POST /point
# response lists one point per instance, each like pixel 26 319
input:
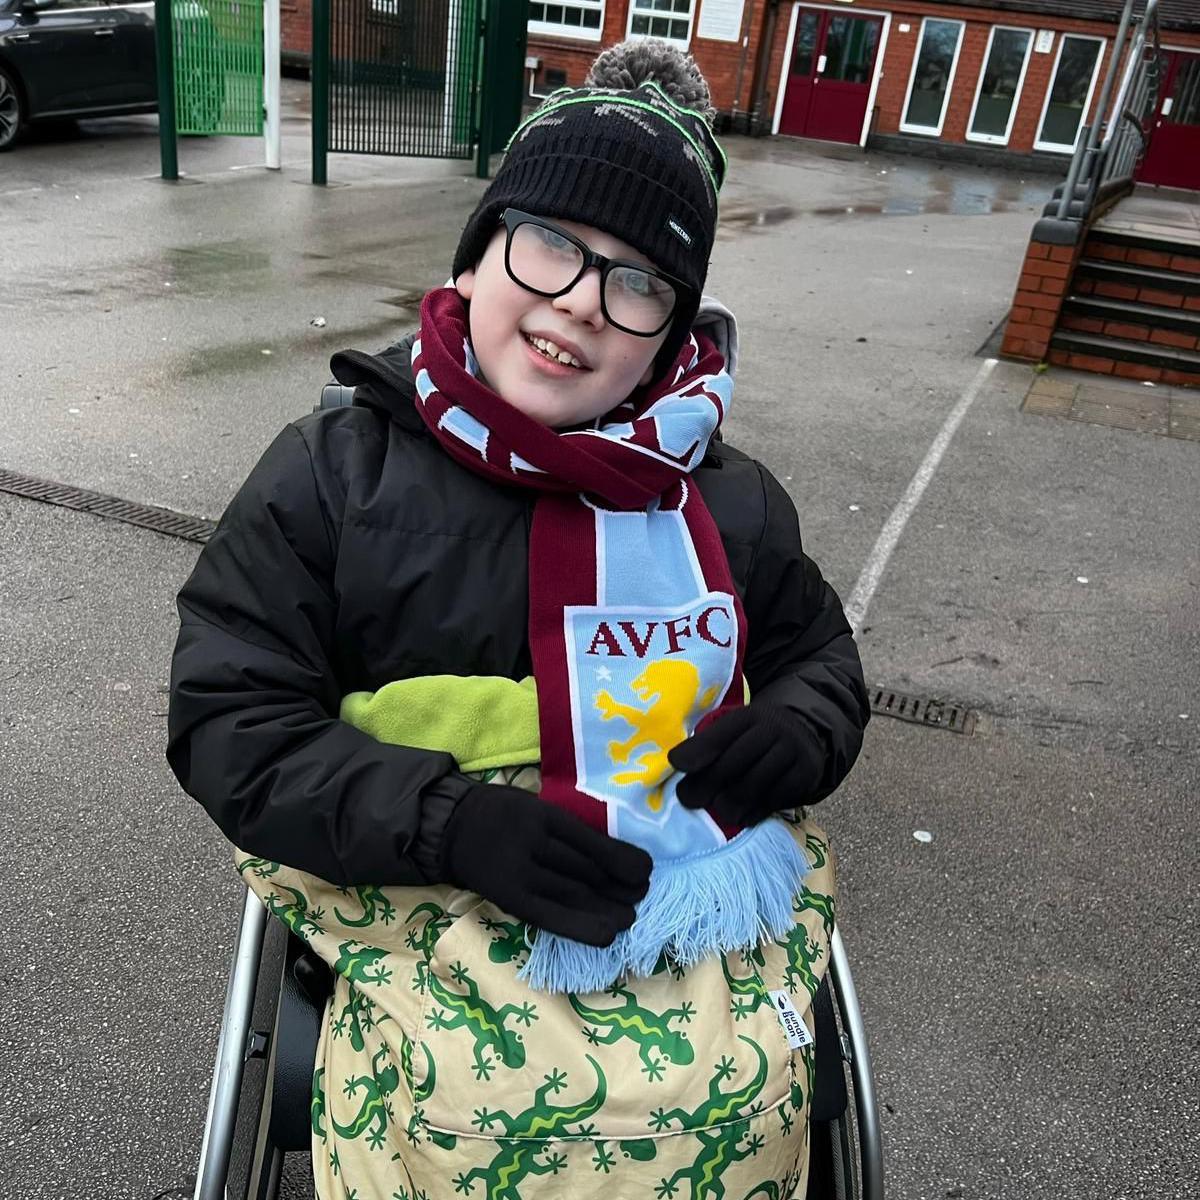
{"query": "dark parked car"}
pixel 74 58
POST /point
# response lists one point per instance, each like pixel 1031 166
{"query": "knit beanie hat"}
pixel 632 152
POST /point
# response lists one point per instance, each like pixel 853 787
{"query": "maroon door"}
pixel 829 77
pixel 1173 158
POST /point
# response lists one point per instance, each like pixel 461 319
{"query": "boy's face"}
pixel 504 316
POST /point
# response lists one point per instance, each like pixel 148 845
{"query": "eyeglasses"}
pixel 548 260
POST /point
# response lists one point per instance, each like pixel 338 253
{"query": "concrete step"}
pixel 1120 356
pixel 1091 314
pixel 1146 248
pixel 1127 281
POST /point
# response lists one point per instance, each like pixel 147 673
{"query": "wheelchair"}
pixel 258 1108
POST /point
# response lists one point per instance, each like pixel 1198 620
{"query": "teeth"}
pixel 552 350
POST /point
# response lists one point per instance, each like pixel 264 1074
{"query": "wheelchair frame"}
pixel 239 1043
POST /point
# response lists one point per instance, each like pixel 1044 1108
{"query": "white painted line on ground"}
pixel 881 552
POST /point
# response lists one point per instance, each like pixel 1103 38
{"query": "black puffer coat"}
pixel 358 553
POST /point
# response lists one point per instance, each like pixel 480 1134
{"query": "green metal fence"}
pixel 402 76
pixel 218 59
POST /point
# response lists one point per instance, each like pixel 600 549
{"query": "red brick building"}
pixel 1006 78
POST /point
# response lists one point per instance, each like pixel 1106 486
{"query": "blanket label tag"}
pixel 789 1018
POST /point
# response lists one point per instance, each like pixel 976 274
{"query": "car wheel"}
pixel 12 110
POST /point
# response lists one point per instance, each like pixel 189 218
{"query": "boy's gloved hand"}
pixel 543 864
pixel 750 763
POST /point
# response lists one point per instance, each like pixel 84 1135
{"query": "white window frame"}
pixel 929 130
pixel 648 12
pixel 578 32
pixel 1058 147
pixel 996 139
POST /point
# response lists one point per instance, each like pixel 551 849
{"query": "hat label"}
pixel 679 231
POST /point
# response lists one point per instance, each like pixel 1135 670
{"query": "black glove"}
pixel 751 763
pixel 543 864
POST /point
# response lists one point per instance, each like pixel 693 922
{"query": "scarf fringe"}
pixel 727 899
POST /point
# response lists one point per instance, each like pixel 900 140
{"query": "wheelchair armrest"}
pixel 829 1096
pixel 307 983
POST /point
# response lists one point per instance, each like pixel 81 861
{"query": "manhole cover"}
pixel 919 710
pixel 146 516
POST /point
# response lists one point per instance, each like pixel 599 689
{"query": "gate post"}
pixel 320 90
pixel 503 76
pixel 164 54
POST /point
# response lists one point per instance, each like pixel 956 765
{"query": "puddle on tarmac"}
pixel 976 205
pixel 218 258
pixel 409 298
pixel 747 218
pixel 247 356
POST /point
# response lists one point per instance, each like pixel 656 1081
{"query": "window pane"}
pixel 683 6
pixel 660 27
pixel 806 41
pixel 679 30
pixel 591 18
pixel 850 49
pixel 1186 94
pixel 934 61
pixel 572 16
pixel 537 12
pixel 641 25
pixel 1001 73
pixel 554 13
pixel 1064 113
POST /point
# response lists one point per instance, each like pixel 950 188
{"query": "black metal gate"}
pixel 407 77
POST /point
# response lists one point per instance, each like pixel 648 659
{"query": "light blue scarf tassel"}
pixel 724 899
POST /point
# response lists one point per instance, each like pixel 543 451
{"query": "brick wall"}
pixel 724 64
pixel 901 47
pixel 295 20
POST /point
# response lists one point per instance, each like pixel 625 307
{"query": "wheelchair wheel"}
pixel 254 1162
pixel 833 1159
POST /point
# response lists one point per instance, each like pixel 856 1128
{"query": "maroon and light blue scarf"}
pixel 637 636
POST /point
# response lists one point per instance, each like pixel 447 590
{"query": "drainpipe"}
pixel 762 66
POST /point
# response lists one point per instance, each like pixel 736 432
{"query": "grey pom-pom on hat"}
pixel 632 152
pixel 643 60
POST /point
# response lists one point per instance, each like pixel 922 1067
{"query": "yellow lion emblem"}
pixel 670 690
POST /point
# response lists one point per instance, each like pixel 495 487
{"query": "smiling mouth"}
pixel 553 352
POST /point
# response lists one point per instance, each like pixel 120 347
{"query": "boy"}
pixel 521 564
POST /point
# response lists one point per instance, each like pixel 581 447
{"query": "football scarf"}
pixel 637 637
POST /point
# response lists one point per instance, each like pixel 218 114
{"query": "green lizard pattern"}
pixel 520 1149
pixel 818 903
pixel 374 904
pixel 720 1106
pixel 749 992
pixel 486 1024
pixel 375 1109
pixel 424 939
pixel 316 1106
pixel 720 1148
pixel 650 1030
pixel 510 943
pixel 362 965
pixel 357 1018
pixel 817 849
pixel 294 912
pixel 262 868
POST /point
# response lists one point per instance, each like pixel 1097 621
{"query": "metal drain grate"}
pixel 146 516
pixel 954 718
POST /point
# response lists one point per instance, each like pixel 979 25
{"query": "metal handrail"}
pixel 1107 151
